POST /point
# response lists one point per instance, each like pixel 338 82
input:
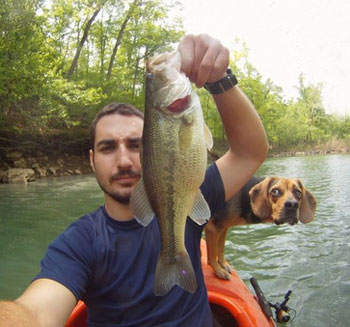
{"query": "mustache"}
pixel 125 172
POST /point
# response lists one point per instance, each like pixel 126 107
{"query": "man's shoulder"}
pixel 212 178
pixel 213 189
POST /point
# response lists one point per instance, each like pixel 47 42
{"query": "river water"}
pixel 312 260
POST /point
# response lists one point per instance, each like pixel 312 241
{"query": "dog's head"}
pixel 282 200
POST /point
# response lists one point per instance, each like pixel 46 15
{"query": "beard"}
pixel 118 196
pixel 122 196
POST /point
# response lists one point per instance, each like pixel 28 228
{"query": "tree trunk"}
pixel 120 37
pixel 135 75
pixel 82 42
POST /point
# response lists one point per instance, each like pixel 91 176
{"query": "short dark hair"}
pixel 123 109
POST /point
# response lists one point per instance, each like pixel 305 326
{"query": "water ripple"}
pixel 312 260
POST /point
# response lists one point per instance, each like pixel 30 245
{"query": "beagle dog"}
pixel 276 200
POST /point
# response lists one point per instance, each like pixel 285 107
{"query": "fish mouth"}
pixel 180 105
pixel 167 88
pixel 166 58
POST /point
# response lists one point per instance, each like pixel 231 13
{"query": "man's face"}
pixel 116 155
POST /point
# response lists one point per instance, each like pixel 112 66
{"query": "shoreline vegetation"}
pixel 27 166
pixel 62 63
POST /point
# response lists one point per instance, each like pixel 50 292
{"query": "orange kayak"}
pixel 232 303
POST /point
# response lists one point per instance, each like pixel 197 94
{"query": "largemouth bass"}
pixel 174 159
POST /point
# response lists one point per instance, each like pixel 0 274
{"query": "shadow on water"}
pixel 312 260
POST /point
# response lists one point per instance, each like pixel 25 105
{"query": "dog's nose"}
pixel 291 204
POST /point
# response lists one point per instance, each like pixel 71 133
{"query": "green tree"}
pixel 92 8
pixel 312 113
pixel 149 30
pixel 266 97
pixel 122 27
pixel 26 61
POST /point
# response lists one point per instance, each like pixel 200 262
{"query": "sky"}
pixel 285 38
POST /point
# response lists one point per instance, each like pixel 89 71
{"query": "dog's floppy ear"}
pixel 259 198
pixel 307 205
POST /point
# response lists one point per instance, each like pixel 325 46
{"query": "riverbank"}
pixel 329 147
pixel 19 167
pixel 27 166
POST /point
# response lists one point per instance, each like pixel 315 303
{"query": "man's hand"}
pixel 204 59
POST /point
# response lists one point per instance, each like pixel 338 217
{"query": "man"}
pixel 106 258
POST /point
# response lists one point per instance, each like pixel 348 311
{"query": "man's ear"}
pixel 91 156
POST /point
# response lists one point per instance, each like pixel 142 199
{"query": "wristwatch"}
pixel 223 84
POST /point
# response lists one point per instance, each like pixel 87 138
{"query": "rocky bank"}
pixel 23 167
pixel 18 167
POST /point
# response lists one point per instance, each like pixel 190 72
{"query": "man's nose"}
pixel 123 157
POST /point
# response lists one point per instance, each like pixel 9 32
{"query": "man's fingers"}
pixel 220 65
pixel 204 59
pixel 187 49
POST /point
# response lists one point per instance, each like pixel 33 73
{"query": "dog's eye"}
pixel 276 192
pixel 297 194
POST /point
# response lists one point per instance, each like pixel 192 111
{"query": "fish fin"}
pixel 208 137
pixel 200 213
pixel 179 272
pixel 140 205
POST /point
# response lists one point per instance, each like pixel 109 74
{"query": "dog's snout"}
pixel 291 204
pixel 292 221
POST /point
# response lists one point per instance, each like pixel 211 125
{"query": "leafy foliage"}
pixel 62 60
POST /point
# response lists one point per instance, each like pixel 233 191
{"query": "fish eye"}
pixel 276 192
pixel 297 194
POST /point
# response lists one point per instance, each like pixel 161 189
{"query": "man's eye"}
pixel 135 145
pixel 106 149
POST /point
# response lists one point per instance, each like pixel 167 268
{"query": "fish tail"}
pixel 178 272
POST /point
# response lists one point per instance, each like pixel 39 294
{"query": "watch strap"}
pixel 223 84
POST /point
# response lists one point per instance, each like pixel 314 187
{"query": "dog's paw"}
pixel 222 273
pixel 219 271
pixel 225 265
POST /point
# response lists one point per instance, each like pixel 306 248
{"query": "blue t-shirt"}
pixel 110 265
